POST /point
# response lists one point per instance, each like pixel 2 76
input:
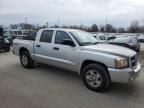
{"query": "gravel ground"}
pixel 50 87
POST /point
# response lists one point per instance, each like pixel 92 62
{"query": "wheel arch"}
pixel 87 62
pixel 22 49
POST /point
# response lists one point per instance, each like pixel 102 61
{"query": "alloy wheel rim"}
pixel 93 78
pixel 24 60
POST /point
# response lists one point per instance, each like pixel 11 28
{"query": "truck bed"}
pixel 20 43
pixel 26 38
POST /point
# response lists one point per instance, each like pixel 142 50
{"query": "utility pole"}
pixel 58 21
pixel 47 24
pixel 25 20
pixel 106 25
pixel 1 24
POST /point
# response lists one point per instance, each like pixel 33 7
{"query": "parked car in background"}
pixel 135 35
pixel 100 37
pixel 4 43
pixel 12 34
pixel 98 64
pixel 128 42
pixel 141 38
pixel 9 35
pixel 111 37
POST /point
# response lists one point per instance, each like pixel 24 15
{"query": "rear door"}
pixel 43 47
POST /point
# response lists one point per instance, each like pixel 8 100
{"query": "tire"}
pixel 138 50
pixel 96 77
pixel 26 60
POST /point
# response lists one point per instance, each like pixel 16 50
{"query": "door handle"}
pixel 38 46
pixel 55 48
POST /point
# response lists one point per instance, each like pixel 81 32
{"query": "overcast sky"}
pixel 86 12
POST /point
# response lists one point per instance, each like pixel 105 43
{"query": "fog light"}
pixel 131 79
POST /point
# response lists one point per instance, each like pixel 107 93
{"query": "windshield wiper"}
pixel 87 43
pixel 96 43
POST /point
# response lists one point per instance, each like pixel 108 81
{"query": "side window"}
pixel 60 36
pixel 46 36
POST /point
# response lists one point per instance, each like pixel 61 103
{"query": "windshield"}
pixel 84 38
pixel 122 40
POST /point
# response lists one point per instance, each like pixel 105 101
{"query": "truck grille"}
pixel 133 60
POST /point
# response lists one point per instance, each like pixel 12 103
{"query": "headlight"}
pixel 6 41
pixel 121 63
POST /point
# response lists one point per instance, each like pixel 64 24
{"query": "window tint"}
pixel 46 36
pixel 60 36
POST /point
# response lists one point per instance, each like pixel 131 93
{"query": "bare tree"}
pixel 14 26
pixel 109 28
pixel 102 28
pixel 134 27
pixel 121 30
pixel 94 28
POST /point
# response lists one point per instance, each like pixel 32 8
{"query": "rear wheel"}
pixel 26 60
pixel 96 77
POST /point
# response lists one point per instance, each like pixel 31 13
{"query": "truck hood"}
pixel 110 49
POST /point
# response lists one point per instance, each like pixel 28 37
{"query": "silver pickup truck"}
pixel 98 64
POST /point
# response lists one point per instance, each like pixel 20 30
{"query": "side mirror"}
pixel 68 42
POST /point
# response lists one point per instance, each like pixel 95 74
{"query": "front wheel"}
pixel 96 77
pixel 26 60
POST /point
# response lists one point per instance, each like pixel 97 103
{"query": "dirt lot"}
pixel 49 87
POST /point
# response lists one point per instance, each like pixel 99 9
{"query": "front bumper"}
pixel 124 75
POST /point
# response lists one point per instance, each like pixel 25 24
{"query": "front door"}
pixel 65 56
